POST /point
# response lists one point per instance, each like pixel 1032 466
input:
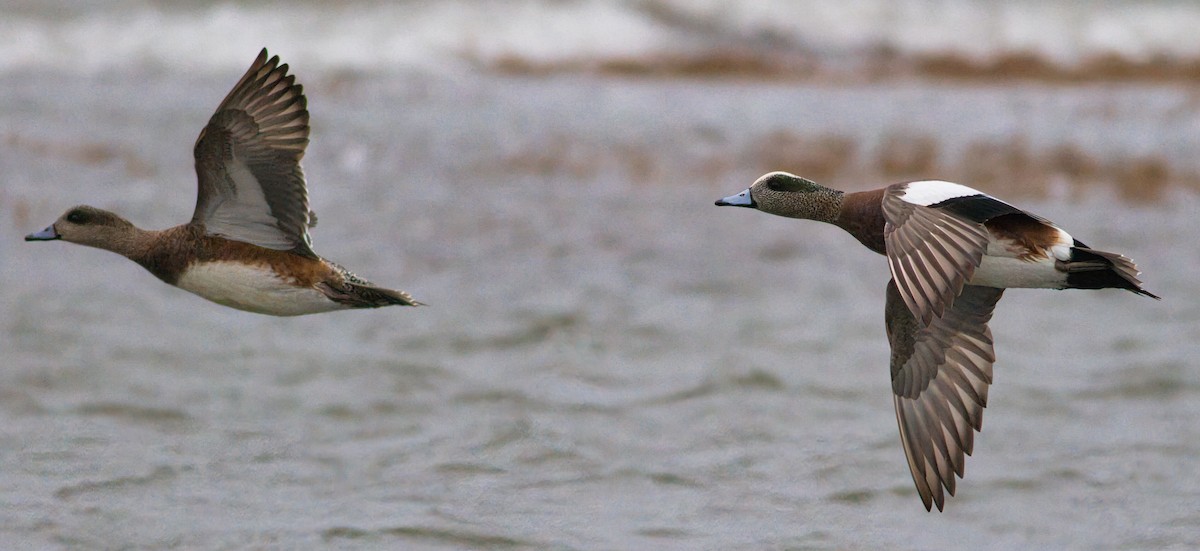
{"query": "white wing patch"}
pixel 244 214
pixel 932 192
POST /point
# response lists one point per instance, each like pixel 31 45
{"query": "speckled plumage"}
pixel 951 252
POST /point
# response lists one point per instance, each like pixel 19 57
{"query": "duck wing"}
pixel 935 238
pixel 251 187
pixel 940 378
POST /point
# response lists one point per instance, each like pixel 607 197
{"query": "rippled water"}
pixel 607 362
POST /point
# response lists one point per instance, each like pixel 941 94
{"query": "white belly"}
pixel 1006 271
pixel 254 289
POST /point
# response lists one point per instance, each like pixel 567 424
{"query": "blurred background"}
pixel 608 361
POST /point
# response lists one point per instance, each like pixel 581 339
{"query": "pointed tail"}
pixel 1092 269
pixel 378 296
pixel 365 295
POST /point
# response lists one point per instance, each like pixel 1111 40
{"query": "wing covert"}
pixel 931 252
pixel 250 184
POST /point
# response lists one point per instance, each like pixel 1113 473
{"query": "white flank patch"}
pixel 1001 267
pixel 932 192
pixel 1010 272
pixel 254 289
pixel 1062 251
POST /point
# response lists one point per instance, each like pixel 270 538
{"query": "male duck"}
pixel 247 245
pixel 952 251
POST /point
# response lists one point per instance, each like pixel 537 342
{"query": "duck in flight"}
pixel 952 251
pixel 247 244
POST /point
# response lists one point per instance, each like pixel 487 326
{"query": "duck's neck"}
pixel 131 242
pixel 164 252
pixel 824 205
pixel 861 214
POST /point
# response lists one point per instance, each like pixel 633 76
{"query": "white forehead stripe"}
pixel 932 192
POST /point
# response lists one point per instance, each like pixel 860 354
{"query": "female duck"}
pixel 247 244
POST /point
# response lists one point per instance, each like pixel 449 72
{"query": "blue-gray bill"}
pixel 47 234
pixel 742 199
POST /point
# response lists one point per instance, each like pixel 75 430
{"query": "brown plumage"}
pixel 951 251
pixel 247 244
pixel 1027 238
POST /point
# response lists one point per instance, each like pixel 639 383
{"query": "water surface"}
pixel 607 362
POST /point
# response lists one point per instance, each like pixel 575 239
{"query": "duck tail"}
pixel 356 292
pixel 369 296
pixel 1093 269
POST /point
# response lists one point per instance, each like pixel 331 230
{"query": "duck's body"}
pixel 255 288
pixel 247 245
pixel 261 280
pixel 951 251
pixel 938 228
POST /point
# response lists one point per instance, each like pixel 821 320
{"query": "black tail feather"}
pixel 1092 269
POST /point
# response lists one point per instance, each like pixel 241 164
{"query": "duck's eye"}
pixel 77 217
pixel 789 183
pixel 780 182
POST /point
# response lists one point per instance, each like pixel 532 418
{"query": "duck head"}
pixel 788 195
pixel 87 226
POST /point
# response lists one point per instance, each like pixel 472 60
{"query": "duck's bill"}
pixel 47 234
pixel 742 199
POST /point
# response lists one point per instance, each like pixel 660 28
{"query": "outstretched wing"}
pixel 251 187
pixel 940 378
pixel 935 238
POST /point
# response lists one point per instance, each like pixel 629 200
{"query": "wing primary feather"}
pixel 941 372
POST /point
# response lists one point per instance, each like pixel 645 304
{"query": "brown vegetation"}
pixel 717 64
pixel 882 64
pixel 907 156
pixel 92 153
pixel 1008 168
pixel 1142 178
pixel 1030 66
pixel 819 157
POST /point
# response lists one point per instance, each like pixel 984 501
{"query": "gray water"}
pixel 608 361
